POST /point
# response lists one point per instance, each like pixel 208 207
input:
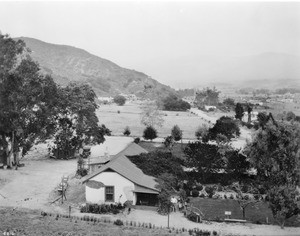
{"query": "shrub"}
pixel 231 196
pixel 127 131
pixel 137 140
pixel 150 133
pixel 210 191
pixel 199 187
pixel 101 209
pixel 120 100
pixel 118 222
pixel 195 193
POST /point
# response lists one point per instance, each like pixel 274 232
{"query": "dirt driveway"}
pixel 30 186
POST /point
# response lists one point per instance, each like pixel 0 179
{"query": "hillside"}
pixel 66 63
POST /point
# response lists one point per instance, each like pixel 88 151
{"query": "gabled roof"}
pixel 122 165
pixel 132 149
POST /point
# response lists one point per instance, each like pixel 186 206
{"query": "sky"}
pixel 158 37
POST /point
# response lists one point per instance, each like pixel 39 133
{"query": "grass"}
pixel 32 223
pixel 130 115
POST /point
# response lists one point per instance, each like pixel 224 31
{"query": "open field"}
pixel 32 223
pixel 130 115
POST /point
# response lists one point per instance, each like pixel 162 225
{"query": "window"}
pixel 109 193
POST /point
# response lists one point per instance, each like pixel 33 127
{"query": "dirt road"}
pixel 29 186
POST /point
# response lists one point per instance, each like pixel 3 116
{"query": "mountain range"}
pixel 66 63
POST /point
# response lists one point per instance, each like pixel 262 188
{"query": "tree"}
pixel 262 119
pixel 237 164
pixel 150 133
pixel 169 143
pixel 77 122
pixel 166 184
pixel 275 154
pixel 229 102
pixel 290 116
pixel 27 100
pixel 202 132
pixel 173 103
pixel 119 100
pixel 283 203
pixel 176 133
pixel 226 126
pixel 239 111
pixel 151 116
pixel 127 131
pixel 207 96
pixel 244 200
pixel 249 110
pixel 205 158
pixel 157 162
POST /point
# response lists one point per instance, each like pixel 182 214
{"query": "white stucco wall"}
pixel 122 186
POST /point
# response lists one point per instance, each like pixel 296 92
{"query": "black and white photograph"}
pixel 147 117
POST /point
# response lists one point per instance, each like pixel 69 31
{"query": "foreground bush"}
pixel 102 208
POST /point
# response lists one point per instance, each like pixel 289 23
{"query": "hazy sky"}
pixel 157 38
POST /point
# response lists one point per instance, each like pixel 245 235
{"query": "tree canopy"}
pixel 176 133
pixel 239 111
pixel 205 158
pixel 28 99
pixel 120 100
pixel 225 126
pixel 275 154
pixel 151 116
pixel 34 108
pixel 173 103
pixel 150 133
pixel 207 96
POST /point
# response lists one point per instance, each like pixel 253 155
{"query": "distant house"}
pixel 119 180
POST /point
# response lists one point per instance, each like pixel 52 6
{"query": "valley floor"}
pixel 32 187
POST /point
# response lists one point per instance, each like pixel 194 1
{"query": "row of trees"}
pixel 34 108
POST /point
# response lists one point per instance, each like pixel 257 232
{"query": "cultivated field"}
pixel 130 115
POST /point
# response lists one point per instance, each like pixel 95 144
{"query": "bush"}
pixel 231 196
pixel 127 131
pixel 102 208
pixel 119 100
pixel 118 222
pixel 137 140
pixel 199 187
pixel 195 193
pixel 150 133
pixel 210 191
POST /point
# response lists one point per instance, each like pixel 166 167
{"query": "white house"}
pixel 119 181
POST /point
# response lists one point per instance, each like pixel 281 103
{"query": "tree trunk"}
pixel 244 213
pixel 249 117
pixel 282 224
pixel 16 159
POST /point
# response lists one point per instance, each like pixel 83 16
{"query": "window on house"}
pixel 109 194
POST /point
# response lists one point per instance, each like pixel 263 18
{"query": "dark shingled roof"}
pixel 122 165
